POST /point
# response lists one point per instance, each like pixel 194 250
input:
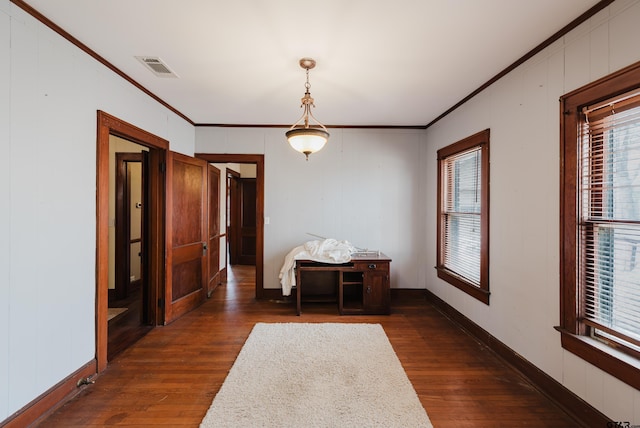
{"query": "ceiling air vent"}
pixel 157 66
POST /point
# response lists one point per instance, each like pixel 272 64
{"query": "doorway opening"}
pixel 243 241
pixel 241 214
pixel 149 152
pixel 128 312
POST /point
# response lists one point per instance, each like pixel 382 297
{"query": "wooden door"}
pixel 129 195
pixel 214 229
pixel 149 293
pixel 186 278
pixel 233 215
pixel 123 225
pixel 247 230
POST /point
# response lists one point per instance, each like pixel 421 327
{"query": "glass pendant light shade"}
pixel 302 137
pixel 307 140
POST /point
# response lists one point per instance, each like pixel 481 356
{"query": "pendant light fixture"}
pixel 301 136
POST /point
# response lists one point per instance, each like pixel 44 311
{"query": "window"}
pixel 463 215
pixel 600 220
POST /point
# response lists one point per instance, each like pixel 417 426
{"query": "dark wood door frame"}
pixel 258 160
pixel 110 125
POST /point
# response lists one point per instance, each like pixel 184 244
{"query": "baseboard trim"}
pixel 409 294
pixel 574 406
pixel 403 294
pixel 52 399
pixel 272 294
pixel 223 275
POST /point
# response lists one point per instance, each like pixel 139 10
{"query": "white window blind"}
pixel 609 219
pixel 461 214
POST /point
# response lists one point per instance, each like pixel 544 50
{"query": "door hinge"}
pixel 163 167
pixel 161 303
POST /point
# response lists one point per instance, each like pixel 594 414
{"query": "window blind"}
pixel 609 223
pixel 461 214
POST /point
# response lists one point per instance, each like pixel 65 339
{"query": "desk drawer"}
pixel 373 265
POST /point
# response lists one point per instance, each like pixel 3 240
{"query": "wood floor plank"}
pixel 170 376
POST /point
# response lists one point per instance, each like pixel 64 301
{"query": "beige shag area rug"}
pixel 316 375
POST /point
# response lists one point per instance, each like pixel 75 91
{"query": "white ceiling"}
pixel 379 62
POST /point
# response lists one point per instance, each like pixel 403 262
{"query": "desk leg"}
pixel 298 293
pixel 340 294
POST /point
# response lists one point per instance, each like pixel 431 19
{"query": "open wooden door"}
pixel 233 215
pixel 186 276
pixel 242 219
pixel 248 219
pixel 214 229
pixel 129 189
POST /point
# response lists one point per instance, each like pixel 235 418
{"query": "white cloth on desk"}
pixel 324 251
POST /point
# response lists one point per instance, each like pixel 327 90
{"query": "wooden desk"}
pixel 361 286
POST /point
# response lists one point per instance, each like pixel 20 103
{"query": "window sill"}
pixel 459 282
pixel 618 364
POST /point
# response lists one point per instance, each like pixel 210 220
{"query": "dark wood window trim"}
pixel 573 332
pixel 481 140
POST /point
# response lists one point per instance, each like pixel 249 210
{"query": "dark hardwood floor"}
pixel 127 328
pixel 170 376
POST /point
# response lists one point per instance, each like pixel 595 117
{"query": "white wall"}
pixel 5 198
pixel 522 111
pixel 363 186
pixel 49 94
